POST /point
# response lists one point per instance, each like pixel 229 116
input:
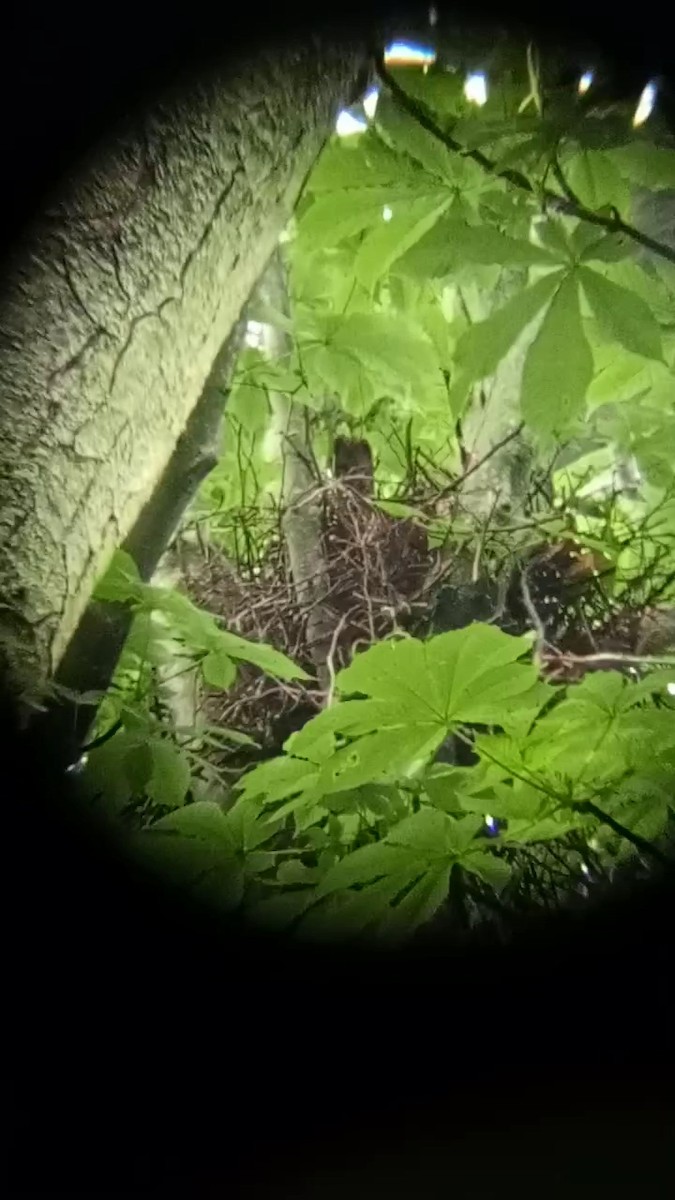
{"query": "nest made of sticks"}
pixel 379 573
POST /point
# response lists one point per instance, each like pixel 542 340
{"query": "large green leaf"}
pixel 645 164
pixel 387 343
pixel 559 365
pixel 171 774
pixel 350 718
pixel 434 833
pixel 485 344
pixel 418 905
pixel 492 870
pixel 623 315
pixel 409 137
pixel 121 582
pixel 596 181
pixel 396 672
pixel 367 160
pixel 250 406
pixel 387 754
pixel 476 672
pixel 218 669
pixel 454 243
pixel 204 820
pixel 335 216
pixel 390 239
pixel 261 655
pixel 368 863
pixel 275 780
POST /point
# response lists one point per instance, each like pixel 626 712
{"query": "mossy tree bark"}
pixel 114 309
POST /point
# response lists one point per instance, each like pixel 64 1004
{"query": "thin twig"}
pixel 562 204
pixel 587 806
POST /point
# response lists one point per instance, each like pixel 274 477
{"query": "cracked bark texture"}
pixel 113 310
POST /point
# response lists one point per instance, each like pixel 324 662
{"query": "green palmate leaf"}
pixel 106 774
pixel 477 676
pixel 218 669
pixel 590 246
pixel 387 754
pixel 294 872
pixel 622 377
pixel 484 345
pixel 250 406
pixel 554 237
pixel 392 345
pixel 596 181
pixel 251 825
pixel 335 371
pixel 204 820
pixel 521 832
pixel 335 216
pixel 367 159
pixel 395 672
pixel 197 628
pixel 170 778
pixel 476 131
pixel 272 661
pixel 559 365
pixel 595 732
pixel 644 164
pixel 368 863
pixel 409 221
pixel 434 833
pixel 350 718
pixel 437 88
pixel 492 870
pixel 347 914
pixel 418 905
pixel 121 582
pixel 410 138
pixel 483 244
pixel 275 780
pixel 150 641
pixel 453 243
pixel 463 675
pixel 623 315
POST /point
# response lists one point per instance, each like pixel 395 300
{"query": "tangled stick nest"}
pixel 380 574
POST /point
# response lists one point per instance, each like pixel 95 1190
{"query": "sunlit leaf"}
pixel 390 239
pixel 559 365
pixel 484 345
pixel 622 314
pixel 596 181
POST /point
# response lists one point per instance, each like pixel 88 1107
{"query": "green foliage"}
pixel 379 827
pixel 421 265
pixel 216 651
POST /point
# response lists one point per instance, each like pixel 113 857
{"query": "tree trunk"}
pixel 302 510
pixel 112 313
